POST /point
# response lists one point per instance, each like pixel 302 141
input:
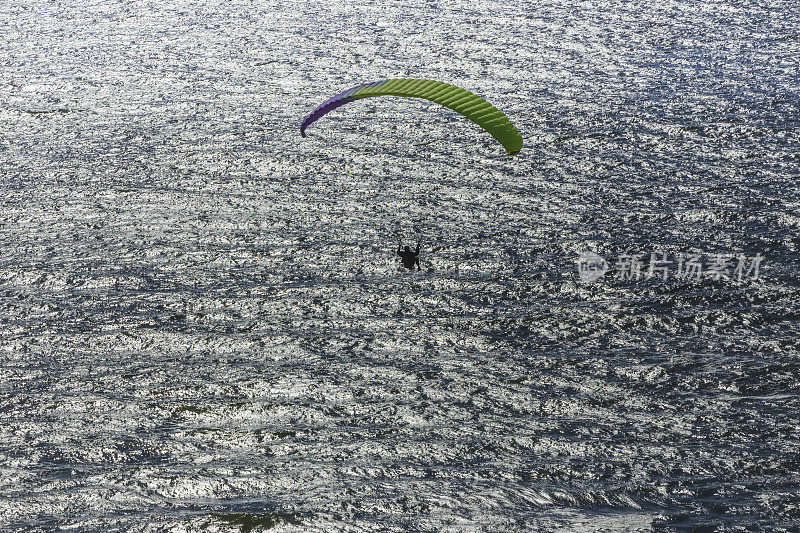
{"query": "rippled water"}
pixel 203 327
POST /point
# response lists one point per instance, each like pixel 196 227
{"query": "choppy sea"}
pixel 204 327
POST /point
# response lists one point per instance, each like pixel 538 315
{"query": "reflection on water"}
pixel 203 325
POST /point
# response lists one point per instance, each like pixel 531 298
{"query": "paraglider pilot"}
pixel 408 256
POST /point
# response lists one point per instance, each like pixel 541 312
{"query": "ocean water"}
pixel 203 326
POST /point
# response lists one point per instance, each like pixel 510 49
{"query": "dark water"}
pixel 202 324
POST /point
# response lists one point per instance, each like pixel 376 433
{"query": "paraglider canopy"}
pixel 460 100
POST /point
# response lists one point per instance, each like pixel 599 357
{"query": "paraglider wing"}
pixel 459 100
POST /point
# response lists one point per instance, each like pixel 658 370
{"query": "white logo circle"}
pixel 591 267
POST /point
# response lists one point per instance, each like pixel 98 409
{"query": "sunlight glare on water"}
pixel 202 321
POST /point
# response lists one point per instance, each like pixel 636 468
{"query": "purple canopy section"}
pixel 332 103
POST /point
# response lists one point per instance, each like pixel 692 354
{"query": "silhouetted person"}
pixel 408 256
